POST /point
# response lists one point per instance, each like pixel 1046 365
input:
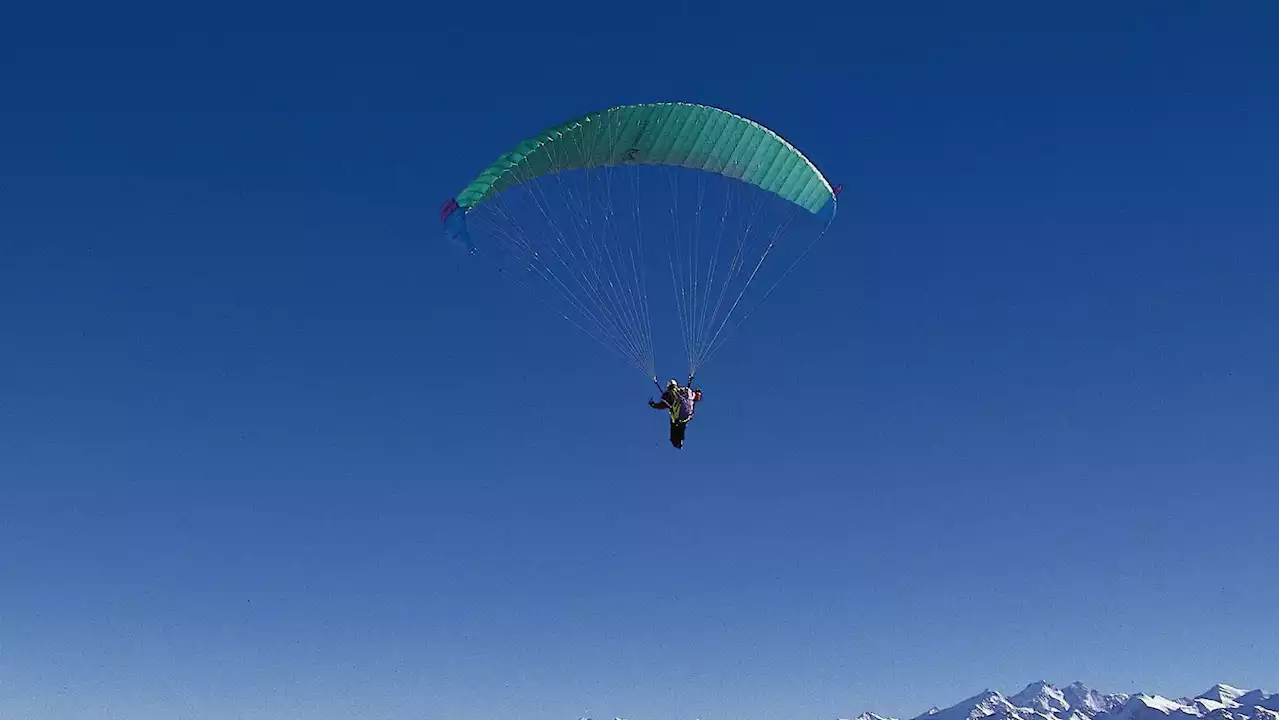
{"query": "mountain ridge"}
pixel 1041 700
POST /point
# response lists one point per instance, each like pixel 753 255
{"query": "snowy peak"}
pixel 1089 702
pixel 1258 698
pixel 985 704
pixel 1043 701
pixel 1042 697
pixel 1221 694
pixel 1152 707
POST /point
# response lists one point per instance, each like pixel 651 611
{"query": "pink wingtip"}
pixel 448 208
pixel 835 192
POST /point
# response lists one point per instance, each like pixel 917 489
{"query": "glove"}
pixel 652 403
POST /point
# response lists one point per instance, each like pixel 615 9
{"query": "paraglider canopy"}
pixel 586 214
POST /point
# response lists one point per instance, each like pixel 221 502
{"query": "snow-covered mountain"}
pixel 1043 701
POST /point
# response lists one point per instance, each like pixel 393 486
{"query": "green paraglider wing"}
pixel 679 134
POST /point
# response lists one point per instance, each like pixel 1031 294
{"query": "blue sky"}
pixel 269 450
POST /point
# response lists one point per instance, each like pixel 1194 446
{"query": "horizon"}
pixel 1060 687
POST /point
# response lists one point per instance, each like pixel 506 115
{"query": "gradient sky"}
pixel 269 450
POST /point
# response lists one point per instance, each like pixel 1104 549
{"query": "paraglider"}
pixel 681 402
pixel 587 215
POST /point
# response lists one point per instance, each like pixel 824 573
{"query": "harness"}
pixel 679 397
